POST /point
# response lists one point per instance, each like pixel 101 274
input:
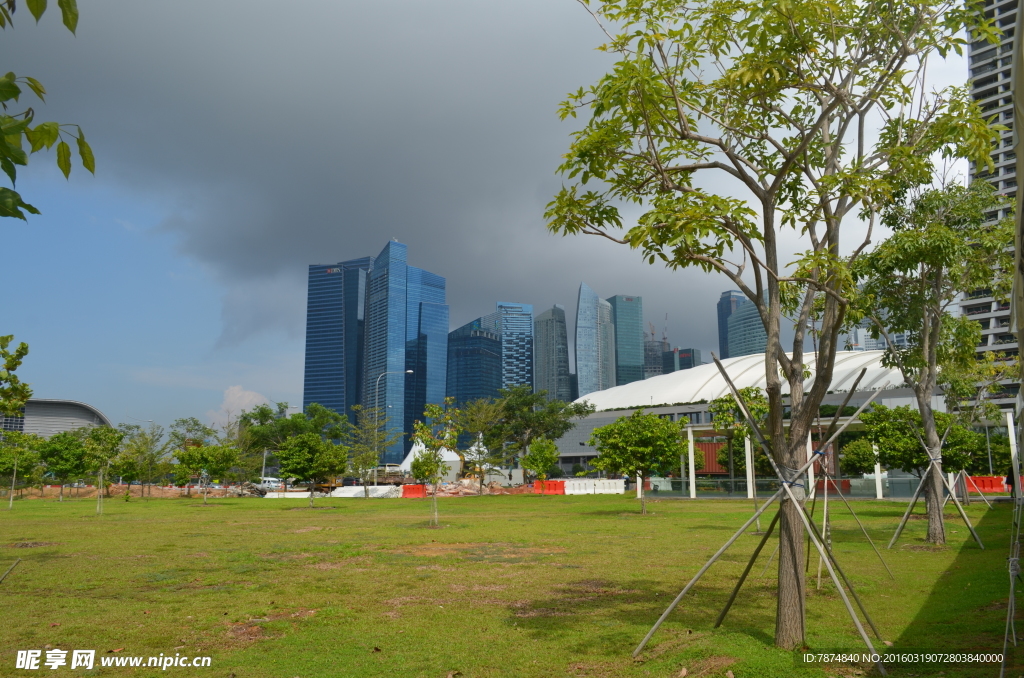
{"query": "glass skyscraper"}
pixel 514 324
pixel 595 342
pixel 551 354
pixel 334 334
pixel 727 305
pixel 746 331
pixel 628 322
pixel 406 329
pixel 474 363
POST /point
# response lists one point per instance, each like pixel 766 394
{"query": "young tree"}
pixel 18 125
pixel 369 437
pixel 639 445
pixel 442 433
pixel 941 245
pixel 13 392
pixel 64 456
pixel 101 446
pixel 188 433
pixel 899 433
pixel 478 419
pixel 19 457
pixel 265 429
pixel 526 416
pixel 147 450
pixel 312 458
pixel 858 456
pixel 542 456
pixel 728 418
pixel 728 123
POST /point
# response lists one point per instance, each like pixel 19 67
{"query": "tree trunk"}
pixel 933 478
pixel 366 488
pixel 312 486
pixel 643 496
pixel 789 618
pixel 61 499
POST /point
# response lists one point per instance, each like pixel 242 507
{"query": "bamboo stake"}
pixel 866 535
pixel 743 577
pixel 9 570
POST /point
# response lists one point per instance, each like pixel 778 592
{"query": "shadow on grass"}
pixel 966 609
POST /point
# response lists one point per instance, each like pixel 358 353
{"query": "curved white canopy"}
pixel 706 383
pixel 447 456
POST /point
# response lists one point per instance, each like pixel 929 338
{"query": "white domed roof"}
pixel 705 382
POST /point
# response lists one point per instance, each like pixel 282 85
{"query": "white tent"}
pixel 449 457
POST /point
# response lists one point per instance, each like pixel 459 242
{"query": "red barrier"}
pixel 414 491
pixel 844 486
pixel 549 487
pixel 993 484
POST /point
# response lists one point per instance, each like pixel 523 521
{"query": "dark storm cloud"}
pixel 284 135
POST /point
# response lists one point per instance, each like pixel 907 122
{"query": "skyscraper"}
pixel 595 342
pixel 514 324
pixel 680 359
pixel 654 350
pixel 334 334
pixel 727 305
pixel 992 88
pixel 746 331
pixel 474 363
pixel 406 328
pixel 551 354
pixel 628 323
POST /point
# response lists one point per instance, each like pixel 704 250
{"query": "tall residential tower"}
pixel 551 354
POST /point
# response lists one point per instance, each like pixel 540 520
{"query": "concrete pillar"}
pixel 749 457
pixel 693 465
pixel 1014 459
pixel 878 473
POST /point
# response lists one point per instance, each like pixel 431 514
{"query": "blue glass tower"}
pixel 514 324
pixel 746 331
pixel 595 343
pixel 727 305
pixel 406 328
pixel 628 321
pixel 474 363
pixel 551 354
pixel 334 334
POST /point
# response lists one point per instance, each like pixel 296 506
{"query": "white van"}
pixel 271 484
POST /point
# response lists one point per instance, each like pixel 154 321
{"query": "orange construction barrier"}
pixel 414 491
pixel 549 487
pixel 844 486
pixel 993 484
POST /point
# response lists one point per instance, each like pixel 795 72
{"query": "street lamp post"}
pixel 376 411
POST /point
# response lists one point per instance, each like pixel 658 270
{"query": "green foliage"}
pixel 368 439
pixel 858 457
pixel 266 428
pixel 311 458
pixel 64 456
pixel 441 433
pixel 145 451
pixel 16 126
pixel 911 283
pixel 541 457
pixel 899 434
pixel 526 416
pixel 19 451
pixel 478 419
pixel 13 392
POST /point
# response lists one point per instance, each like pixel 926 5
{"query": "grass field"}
pixel 509 586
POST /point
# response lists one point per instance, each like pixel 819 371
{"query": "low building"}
pixel 46 417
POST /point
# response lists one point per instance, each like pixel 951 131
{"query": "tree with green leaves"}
pixel 13 392
pixel 527 416
pixel 19 457
pixel 728 418
pixel 64 456
pixel 147 450
pixel 858 456
pixel 16 126
pixel 640 445
pixel 899 433
pixel 911 283
pixel 266 429
pixel 188 433
pixel 478 419
pixel 368 439
pixel 206 461
pixel 725 123
pixel 440 432
pixel 543 455
pixel 312 458
pixel 102 444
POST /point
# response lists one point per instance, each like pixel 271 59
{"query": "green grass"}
pixel 510 586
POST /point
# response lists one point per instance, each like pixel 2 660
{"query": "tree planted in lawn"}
pixel 312 458
pixel 19 454
pixel 526 416
pixel 542 456
pixel 478 419
pixel 102 444
pixel 900 433
pixel 942 245
pixel 441 433
pixel 641 445
pixel 369 437
pixel 724 123
pixel 64 456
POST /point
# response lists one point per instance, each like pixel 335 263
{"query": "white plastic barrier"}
pixel 595 486
pixel 376 492
pixel 286 495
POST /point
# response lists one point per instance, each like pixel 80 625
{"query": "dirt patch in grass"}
pixel 313 508
pixel 924 516
pixel 31 544
pixel 923 547
pixel 710 666
pixel 480 551
pixel 311 528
